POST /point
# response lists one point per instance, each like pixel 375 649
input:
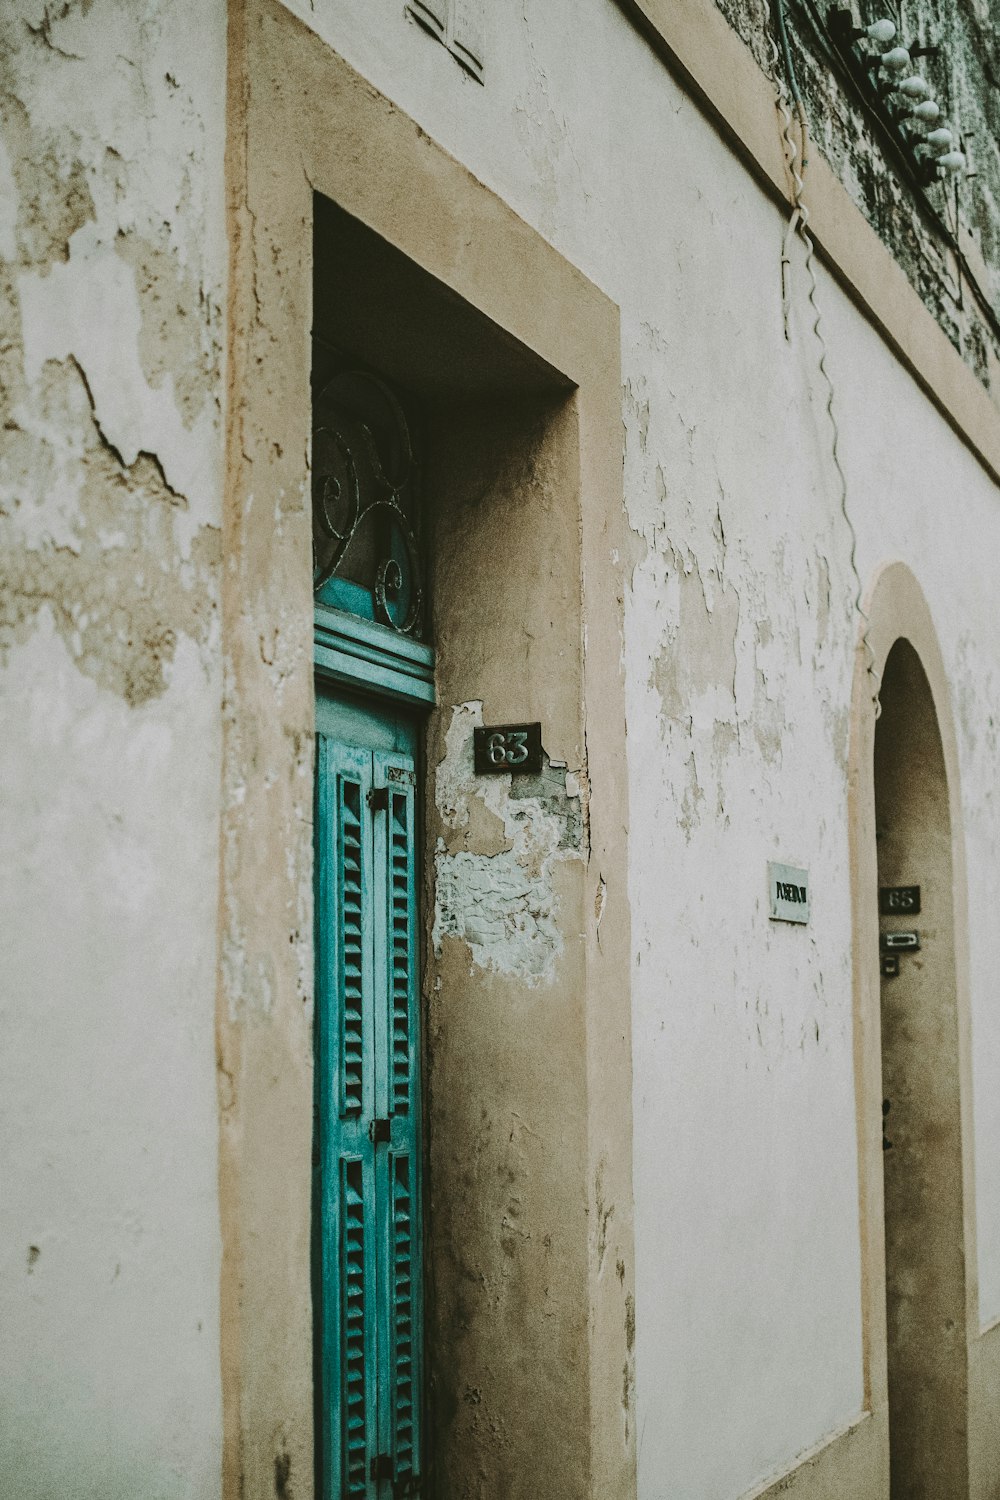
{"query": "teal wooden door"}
pixel 367 1240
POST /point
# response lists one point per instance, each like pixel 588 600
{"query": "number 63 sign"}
pixel 509 748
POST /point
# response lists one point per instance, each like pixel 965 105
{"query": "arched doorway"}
pixel 925 1270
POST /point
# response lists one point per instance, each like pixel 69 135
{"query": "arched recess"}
pixel 912 1046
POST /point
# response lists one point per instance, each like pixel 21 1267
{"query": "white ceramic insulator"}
pixel 882 31
pixel 896 60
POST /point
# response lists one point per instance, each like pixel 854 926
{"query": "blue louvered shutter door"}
pixel 398 1164
pixel 346 901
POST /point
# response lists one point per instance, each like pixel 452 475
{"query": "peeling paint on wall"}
pixel 109 483
pixel 118 587
pixel 738 653
pixel 498 896
pixel 702 652
pixel 112 288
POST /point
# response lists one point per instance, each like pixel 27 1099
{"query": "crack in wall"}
pixel 118 593
pixel 107 501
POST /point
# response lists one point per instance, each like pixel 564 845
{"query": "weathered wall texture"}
pixel 113 259
pixel 739 653
pixel 963 75
pixel 502 905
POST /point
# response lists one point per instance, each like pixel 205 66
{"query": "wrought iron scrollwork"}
pixel 363 497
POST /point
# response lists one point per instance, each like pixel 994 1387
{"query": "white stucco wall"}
pixel 739 648
pixel 739 655
pixel 113 250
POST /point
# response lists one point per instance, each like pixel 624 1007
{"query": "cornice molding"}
pixel 714 64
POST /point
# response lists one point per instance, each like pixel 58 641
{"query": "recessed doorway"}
pixel 922 1141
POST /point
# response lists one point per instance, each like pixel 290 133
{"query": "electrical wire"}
pixel 895 150
pixel 798 223
pixel 786 53
pixel 792 155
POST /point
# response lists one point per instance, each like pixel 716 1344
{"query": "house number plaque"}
pixel 894 899
pixel 508 748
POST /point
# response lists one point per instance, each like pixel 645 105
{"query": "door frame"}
pixel 926 1334
pixel 357 654
pixel 301 120
pixel 894 608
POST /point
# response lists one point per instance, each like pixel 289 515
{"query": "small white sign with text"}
pixel 789 892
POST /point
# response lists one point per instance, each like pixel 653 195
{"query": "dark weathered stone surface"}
pixel 963 292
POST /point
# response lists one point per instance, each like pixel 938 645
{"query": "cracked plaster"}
pixel 738 558
pixel 112 284
pixel 109 478
pixel 502 903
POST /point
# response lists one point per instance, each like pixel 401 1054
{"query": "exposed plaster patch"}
pixel 692 800
pixel 109 480
pixel 605 1213
pixel 770 665
pixel 546 137
pixel 694 674
pixel 821 602
pixel 248 978
pixel 67 311
pixel 501 899
pixel 600 902
pixel 51 198
pixel 699 656
pixel 837 717
pixel 117 589
pixel 492 904
pixel 169 299
pixel 768 721
pixel 725 742
pixel 8 206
